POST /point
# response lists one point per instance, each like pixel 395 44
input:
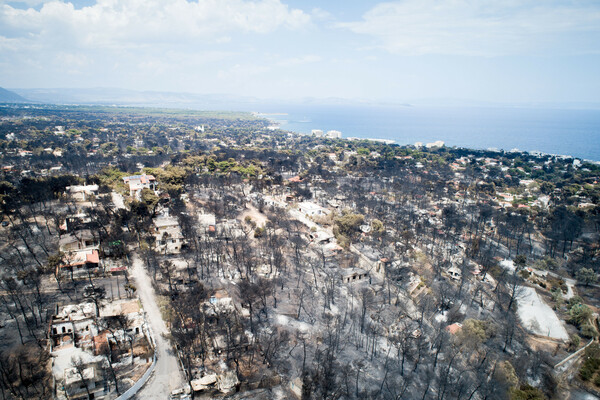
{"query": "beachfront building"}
pixel 334 134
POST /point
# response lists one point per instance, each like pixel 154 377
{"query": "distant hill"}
pixel 6 96
pixel 206 101
pixel 115 96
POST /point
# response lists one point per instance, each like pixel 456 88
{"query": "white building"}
pixel 167 235
pixel 317 132
pixel 206 221
pixel 82 192
pixel 334 134
pixel 139 182
pixel 454 273
pixel 90 380
pixel 312 209
pixel 83 239
pixel 435 145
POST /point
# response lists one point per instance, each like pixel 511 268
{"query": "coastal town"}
pixel 178 254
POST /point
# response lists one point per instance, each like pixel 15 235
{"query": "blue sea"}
pixel 565 132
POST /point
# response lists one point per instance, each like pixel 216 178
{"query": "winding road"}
pixel 167 375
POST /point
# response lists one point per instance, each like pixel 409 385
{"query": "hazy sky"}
pixel 491 50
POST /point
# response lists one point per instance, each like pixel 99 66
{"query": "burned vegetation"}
pixel 287 266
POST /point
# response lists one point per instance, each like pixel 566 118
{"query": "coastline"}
pixel 558 133
pixel 384 141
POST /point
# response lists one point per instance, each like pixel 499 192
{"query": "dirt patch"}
pixel 546 344
pixel 256 216
pixel 130 307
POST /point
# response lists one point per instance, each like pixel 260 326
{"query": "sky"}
pixel 504 51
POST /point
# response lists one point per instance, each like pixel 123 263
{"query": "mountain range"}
pixel 7 96
pixel 228 102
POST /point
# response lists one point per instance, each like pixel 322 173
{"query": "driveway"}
pixel 166 376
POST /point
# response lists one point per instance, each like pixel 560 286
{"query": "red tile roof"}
pixel 454 328
pixel 93 258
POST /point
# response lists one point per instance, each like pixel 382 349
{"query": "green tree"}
pixel 475 331
pixel 349 223
pixel 520 261
pixel 580 313
pixel 506 374
pixel 586 276
pixel 377 227
pixel 150 199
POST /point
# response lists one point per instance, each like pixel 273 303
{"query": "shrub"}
pixel 588 368
pixel 592 351
pixel 476 331
pixel 591 363
pixel 574 301
pixel 579 314
pixel 349 223
pixel 527 392
pixel 506 374
pixel 557 297
pixel 588 331
pixel 574 342
pixel 259 232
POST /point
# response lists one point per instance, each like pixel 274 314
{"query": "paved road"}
pixel 166 376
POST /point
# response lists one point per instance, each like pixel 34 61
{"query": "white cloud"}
pixel 118 23
pixel 26 3
pixel 489 28
pixel 319 13
pixel 156 44
pixel 290 62
pixel 75 61
pixel 241 73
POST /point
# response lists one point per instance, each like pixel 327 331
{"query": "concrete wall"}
pixel 138 385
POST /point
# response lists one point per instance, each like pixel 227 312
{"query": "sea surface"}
pixel 555 131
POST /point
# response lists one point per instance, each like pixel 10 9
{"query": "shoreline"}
pixel 283 124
